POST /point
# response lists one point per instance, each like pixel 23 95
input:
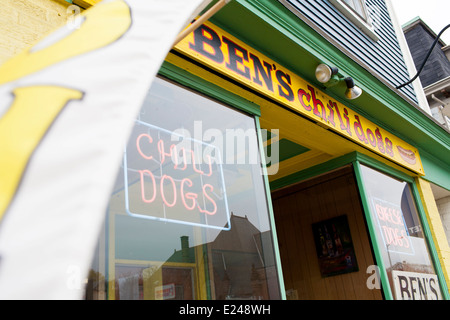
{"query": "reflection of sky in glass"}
pixel 397 193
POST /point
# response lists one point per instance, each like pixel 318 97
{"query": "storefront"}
pixel 244 178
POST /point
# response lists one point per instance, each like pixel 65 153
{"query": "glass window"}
pixel 400 237
pixel 188 217
pixel 358 7
pixel 357 12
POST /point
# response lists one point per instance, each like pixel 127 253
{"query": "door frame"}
pixel 356 159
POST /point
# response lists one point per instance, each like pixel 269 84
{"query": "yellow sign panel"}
pixel 35 107
pixel 214 47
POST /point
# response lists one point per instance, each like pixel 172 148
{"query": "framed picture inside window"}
pixel 334 246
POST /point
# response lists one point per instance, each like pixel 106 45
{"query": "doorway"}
pixel 324 244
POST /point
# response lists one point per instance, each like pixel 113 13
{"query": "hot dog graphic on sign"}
pixel 407 155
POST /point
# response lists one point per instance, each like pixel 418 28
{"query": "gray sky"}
pixel 435 13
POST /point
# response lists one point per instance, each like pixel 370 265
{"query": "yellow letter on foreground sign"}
pixel 67 107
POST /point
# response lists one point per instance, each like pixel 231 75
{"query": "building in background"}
pixel 435 76
pixel 435 79
pixel 349 161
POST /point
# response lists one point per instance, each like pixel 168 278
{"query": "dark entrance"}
pixel 324 244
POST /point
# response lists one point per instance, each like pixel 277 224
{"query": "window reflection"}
pixel 400 237
pixel 357 6
pixel 188 217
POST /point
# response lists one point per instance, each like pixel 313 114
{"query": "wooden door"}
pixel 296 209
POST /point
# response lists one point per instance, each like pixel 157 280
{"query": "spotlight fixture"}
pixel 329 77
pixel 352 91
pixel 325 73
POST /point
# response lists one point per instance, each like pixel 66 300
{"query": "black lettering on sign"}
pixel 207 43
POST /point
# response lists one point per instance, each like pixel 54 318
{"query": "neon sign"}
pixel 392 227
pixel 168 178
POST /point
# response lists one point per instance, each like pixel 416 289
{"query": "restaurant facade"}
pixel 274 158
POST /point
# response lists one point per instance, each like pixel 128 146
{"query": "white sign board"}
pixel 416 286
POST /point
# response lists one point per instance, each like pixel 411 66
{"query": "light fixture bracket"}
pixel 329 77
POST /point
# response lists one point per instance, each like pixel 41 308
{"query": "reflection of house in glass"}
pixel 411 267
pixel 235 262
pixel 241 262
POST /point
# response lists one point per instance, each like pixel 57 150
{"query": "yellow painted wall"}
pixel 437 229
pixel 24 22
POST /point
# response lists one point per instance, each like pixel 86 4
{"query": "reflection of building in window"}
pixel 241 262
pixel 241 268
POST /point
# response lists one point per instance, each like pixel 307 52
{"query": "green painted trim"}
pixel 430 242
pixel 351 158
pixel 371 228
pixel 383 168
pixel 189 80
pixel 313 171
pixel 386 169
pixel 279 17
pixel 436 170
pixel 335 164
pixel 271 214
pixel 287 149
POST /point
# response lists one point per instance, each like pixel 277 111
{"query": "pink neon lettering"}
pixel 211 213
pixel 167 183
pixel 162 153
pixel 210 166
pixel 138 146
pixel 184 158
pixel 173 188
pixel 148 172
pixel 193 164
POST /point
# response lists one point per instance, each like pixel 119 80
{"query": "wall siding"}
pixel 383 57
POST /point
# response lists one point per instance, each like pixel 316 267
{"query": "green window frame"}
pixel 385 169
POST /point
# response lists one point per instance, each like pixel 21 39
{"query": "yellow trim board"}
pixel 436 227
pixel 291 126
